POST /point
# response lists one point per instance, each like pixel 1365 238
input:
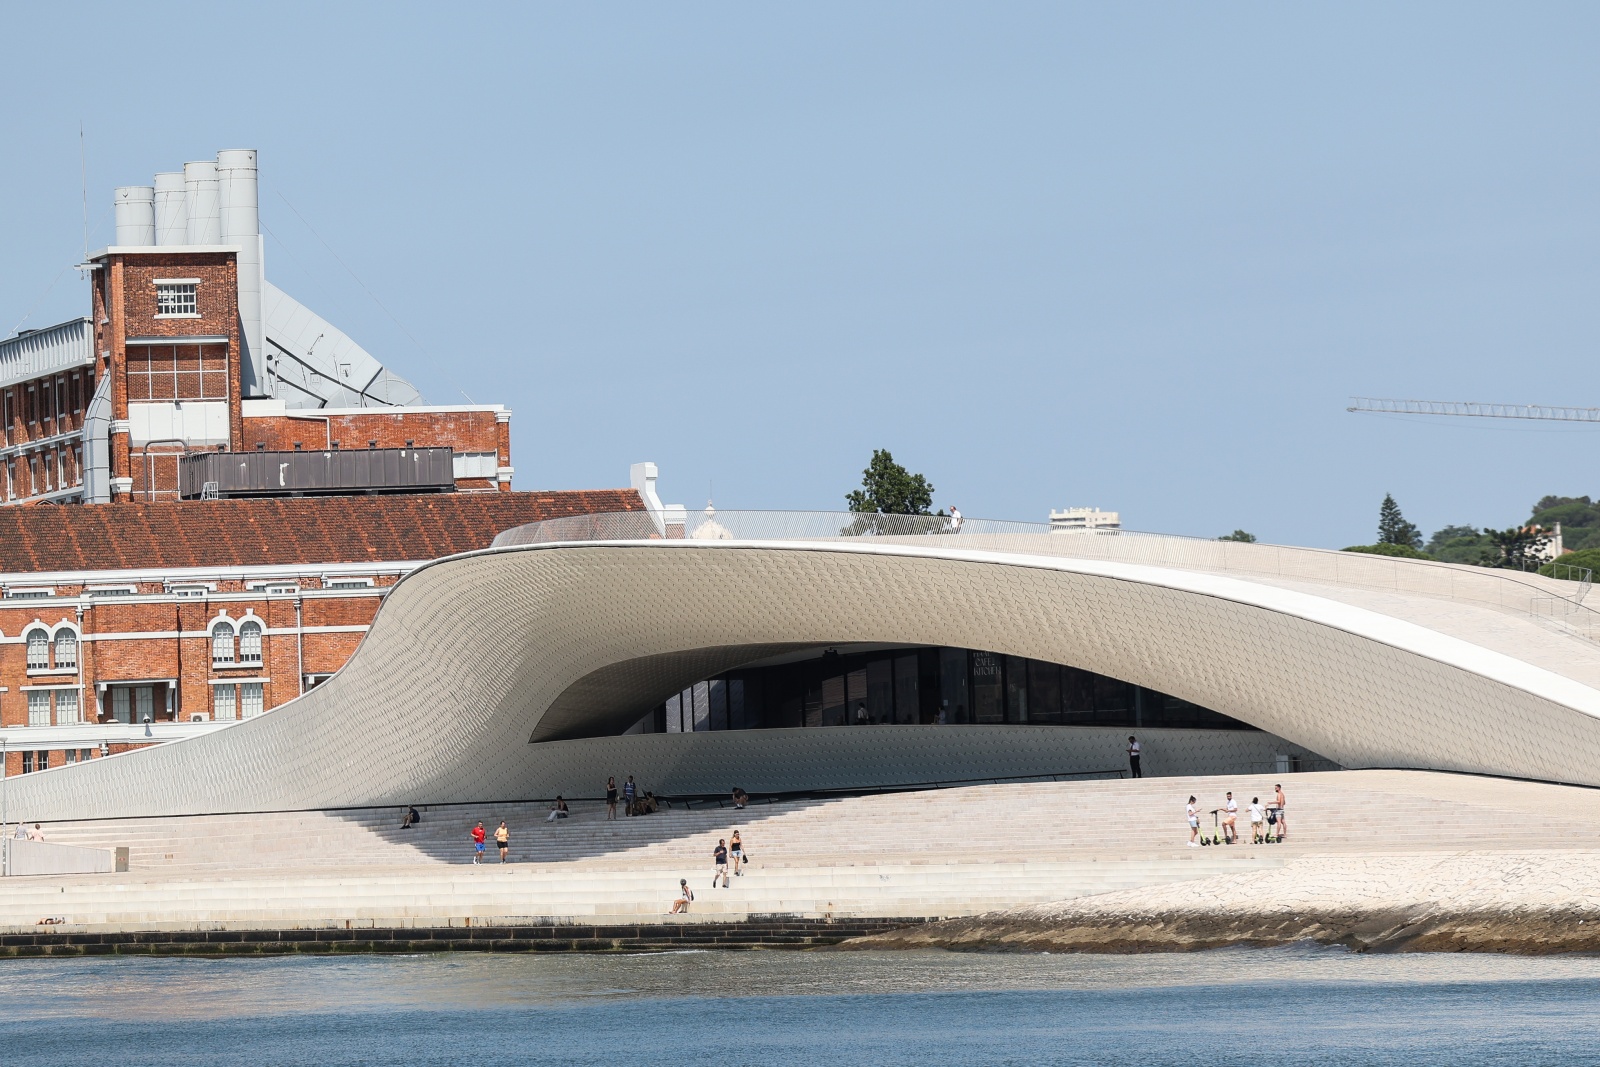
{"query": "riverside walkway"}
pixel 911 856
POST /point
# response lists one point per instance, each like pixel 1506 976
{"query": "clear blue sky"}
pixel 1127 255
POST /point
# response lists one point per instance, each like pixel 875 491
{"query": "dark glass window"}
pixel 880 690
pixel 988 689
pixel 907 702
pixel 1016 689
pixel 953 686
pixel 717 698
pixel 1044 691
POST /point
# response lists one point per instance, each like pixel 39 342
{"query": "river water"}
pixel 704 1009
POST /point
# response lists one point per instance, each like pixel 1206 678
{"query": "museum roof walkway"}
pixel 1547 622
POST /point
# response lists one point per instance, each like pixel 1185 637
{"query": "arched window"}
pixel 66 649
pixel 38 650
pixel 250 642
pixel 222 643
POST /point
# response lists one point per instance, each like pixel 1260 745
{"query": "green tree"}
pixel 1521 548
pixel 1572 565
pixel 1462 544
pixel 1239 535
pixel 1393 529
pixel 1402 551
pixel 889 488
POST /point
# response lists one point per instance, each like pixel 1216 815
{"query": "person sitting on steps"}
pixel 558 810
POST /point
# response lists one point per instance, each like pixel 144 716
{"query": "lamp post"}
pixel 5 820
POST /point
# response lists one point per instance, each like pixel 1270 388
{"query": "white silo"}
pixel 134 208
pixel 172 209
pixel 239 208
pixel 205 216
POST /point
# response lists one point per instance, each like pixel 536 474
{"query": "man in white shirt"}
pixel 1230 817
pixel 1194 824
pixel 1133 758
pixel 955 520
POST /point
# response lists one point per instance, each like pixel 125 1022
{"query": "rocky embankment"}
pixel 1531 903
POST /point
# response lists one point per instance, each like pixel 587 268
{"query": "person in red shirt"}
pixel 478 837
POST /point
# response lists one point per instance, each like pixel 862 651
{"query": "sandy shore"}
pixel 1516 902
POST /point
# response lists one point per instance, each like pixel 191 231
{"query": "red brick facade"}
pixel 129 599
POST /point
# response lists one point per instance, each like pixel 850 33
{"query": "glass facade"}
pixel 929 686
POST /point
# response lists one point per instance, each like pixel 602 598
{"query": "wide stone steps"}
pixel 999 820
pixel 434 895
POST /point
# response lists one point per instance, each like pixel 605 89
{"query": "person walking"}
pixel 502 840
pixel 630 793
pixel 1258 822
pixel 1281 802
pixel 736 850
pixel 720 857
pixel 1194 824
pixel 1133 758
pixel 611 799
pixel 685 898
pixel 478 837
pixel 1230 820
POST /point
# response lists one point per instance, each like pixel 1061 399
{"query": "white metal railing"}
pixel 1513 592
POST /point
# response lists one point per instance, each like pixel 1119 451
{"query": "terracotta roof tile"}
pixel 227 533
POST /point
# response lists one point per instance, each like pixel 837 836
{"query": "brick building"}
pixel 188 350
pixel 192 615
pixel 255 482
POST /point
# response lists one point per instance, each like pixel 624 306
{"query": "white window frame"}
pixel 68 716
pixel 251 655
pixel 36 663
pixel 189 592
pixel 347 584
pixel 228 656
pixel 39 707
pixel 30 592
pixel 177 293
pixel 55 648
pixel 224 702
pixel 252 699
pixel 111 590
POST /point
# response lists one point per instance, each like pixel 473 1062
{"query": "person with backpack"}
pixel 736 850
pixel 1258 822
pixel 685 898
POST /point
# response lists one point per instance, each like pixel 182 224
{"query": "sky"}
pixel 1132 256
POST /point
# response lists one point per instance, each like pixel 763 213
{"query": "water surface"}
pixel 1280 1006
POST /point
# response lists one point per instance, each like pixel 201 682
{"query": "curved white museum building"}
pixel 800 651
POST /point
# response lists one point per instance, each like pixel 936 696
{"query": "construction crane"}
pixel 1482 411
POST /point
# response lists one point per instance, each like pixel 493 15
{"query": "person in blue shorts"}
pixel 478 836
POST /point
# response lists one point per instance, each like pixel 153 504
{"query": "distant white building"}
pixel 1084 519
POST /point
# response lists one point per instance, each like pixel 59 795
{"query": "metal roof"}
pixel 35 353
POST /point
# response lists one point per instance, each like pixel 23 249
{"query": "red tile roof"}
pixel 229 533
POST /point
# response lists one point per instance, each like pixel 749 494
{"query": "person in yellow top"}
pixel 502 841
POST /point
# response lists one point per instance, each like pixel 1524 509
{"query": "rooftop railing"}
pixel 1554 603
